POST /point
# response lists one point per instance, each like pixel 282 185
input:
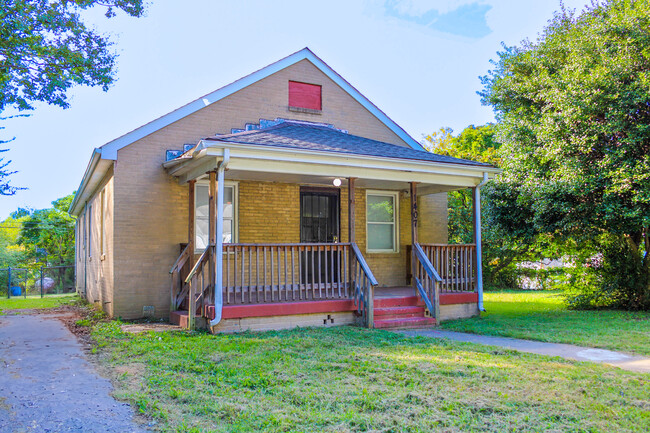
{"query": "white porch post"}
pixel 477 238
pixel 218 250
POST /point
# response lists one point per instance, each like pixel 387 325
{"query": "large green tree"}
pixel 502 250
pixel 46 48
pixel 48 234
pixel 573 111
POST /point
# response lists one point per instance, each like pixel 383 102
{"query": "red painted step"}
pixel 179 318
pixel 399 312
pixel 410 322
pixel 398 302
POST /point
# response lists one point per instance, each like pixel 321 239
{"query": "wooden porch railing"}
pixel 198 282
pixel 266 273
pixel 363 283
pixel 271 273
pixel 427 281
pixel 456 265
pixel 179 288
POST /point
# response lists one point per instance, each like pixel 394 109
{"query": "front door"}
pixel 319 223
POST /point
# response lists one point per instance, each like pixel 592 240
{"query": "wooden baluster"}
pixel 345 265
pixel 325 269
pixel 257 274
pixel 293 273
pixel 338 269
pixel 465 268
pixel 286 276
pixel 265 288
pixel 280 275
pixel 301 281
pixel 272 273
pixel 313 275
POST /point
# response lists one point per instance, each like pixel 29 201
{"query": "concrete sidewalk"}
pixel 625 361
pixel 48 385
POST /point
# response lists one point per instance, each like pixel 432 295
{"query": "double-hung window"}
pixel 201 214
pixel 381 221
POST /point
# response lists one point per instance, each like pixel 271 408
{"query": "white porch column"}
pixel 477 239
pixel 218 250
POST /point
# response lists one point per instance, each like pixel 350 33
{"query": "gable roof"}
pixel 109 150
pixel 324 138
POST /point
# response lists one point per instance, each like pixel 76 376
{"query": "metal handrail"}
pixel 364 265
pixel 431 272
pixel 198 263
pixel 426 263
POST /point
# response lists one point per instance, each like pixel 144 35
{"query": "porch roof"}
pixel 325 138
pixel 304 152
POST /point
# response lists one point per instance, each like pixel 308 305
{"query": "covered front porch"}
pixel 348 241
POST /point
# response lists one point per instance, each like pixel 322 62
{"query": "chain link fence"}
pixel 43 281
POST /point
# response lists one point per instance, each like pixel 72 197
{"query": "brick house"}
pixel 283 199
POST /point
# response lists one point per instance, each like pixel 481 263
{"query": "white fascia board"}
pixel 109 150
pixel 95 172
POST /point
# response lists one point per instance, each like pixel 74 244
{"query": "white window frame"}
pixel 235 209
pixel 395 196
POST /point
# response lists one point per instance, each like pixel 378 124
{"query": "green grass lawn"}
pixel 49 301
pixel 357 380
pixel 543 316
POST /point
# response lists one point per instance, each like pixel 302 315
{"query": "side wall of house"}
pixel 151 208
pixel 94 256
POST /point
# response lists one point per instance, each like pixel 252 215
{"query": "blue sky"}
pixel 417 60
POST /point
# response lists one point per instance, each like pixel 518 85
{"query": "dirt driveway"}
pixel 48 385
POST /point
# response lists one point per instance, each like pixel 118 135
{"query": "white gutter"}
pixel 477 230
pixel 218 250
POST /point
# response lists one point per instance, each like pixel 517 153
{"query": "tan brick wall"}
pixel 95 267
pixel 269 212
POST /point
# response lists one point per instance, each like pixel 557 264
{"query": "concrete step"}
pixel 179 318
pixel 407 301
pixel 399 312
pixel 411 322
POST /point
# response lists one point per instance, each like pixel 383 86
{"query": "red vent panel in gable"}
pixel 305 95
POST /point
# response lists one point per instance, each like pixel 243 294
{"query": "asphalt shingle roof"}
pixel 314 137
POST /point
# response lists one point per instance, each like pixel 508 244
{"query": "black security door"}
pixel 319 220
pixel 319 223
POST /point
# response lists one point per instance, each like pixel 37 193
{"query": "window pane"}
pixel 202 235
pixel 380 237
pixel 201 198
pixel 380 208
pixel 227 202
pixel 227 231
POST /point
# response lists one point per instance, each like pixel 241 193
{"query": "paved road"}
pixel 48 385
pixel 625 361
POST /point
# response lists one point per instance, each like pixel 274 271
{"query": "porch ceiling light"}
pixel 336 182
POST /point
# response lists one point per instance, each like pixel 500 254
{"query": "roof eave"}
pixel 90 180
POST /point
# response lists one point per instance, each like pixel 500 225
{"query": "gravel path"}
pixel 625 361
pixel 48 385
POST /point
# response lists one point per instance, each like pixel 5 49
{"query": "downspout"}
pixel 477 230
pixel 86 229
pixel 218 249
